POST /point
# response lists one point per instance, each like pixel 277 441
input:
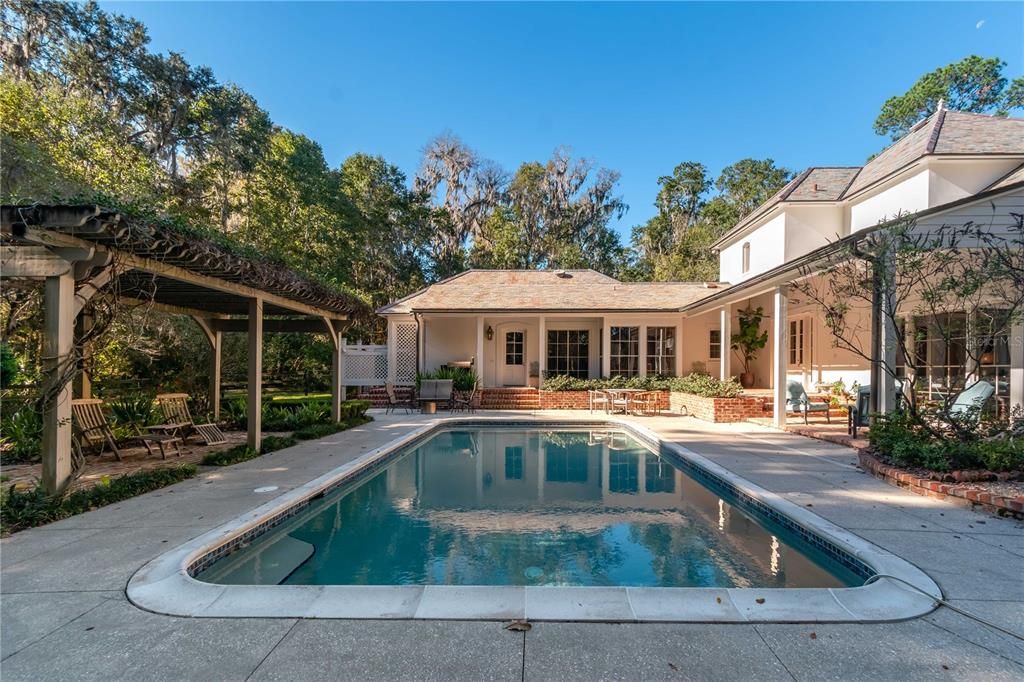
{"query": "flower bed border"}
pixel 963 494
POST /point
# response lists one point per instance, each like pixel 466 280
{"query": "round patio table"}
pixel 621 393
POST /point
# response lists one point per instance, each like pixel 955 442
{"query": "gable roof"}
pixel 547 290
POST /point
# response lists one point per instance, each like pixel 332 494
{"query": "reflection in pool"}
pixel 522 506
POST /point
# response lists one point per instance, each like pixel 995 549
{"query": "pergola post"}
pixel 780 356
pixel 724 342
pixel 883 339
pixel 58 343
pixel 337 374
pixel 216 345
pixel 83 382
pixel 255 372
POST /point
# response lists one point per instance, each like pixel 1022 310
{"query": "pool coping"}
pixel 166 585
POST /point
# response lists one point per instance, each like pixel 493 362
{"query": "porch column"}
pixel 642 343
pixel 542 349
pixel 1017 366
pixel 216 344
pixel 480 349
pixel 606 348
pixel 780 356
pixel 883 341
pixel 679 348
pixel 255 372
pixel 725 346
pixel 58 344
pixel 337 374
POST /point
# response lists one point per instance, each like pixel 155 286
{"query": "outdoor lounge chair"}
pixel 91 427
pixel 799 401
pixel 437 391
pixel 968 402
pixel 394 402
pixel 178 420
pixel 465 403
pixel 860 413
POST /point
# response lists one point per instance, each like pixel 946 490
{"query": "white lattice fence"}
pixel 366 365
pixel 405 342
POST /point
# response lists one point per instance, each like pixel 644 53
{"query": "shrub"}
pixel 23 431
pixel 698 384
pixel 354 410
pixel 319 430
pixel 236 413
pixel 133 410
pixel 239 453
pixel 8 366
pixel 20 509
pixel 462 378
pixel 899 438
pixel 707 386
pixel 274 443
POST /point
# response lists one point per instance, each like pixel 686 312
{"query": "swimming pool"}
pixel 490 506
pixel 619 535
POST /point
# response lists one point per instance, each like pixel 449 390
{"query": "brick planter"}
pixel 717 409
pixel 580 400
pixel 965 495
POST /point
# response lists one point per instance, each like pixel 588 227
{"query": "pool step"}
pixel 514 398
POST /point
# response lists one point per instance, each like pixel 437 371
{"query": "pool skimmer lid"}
pixel 266 489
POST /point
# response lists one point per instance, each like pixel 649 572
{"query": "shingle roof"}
pixel 547 290
pixel 1012 178
pixel 944 132
pixel 817 183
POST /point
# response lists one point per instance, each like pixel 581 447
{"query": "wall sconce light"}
pixel 490 333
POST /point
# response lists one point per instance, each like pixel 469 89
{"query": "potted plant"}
pixel 749 341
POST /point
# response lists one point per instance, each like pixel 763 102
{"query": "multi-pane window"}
pixel 513 463
pixel 569 352
pixel 623 472
pixel 661 350
pixel 625 351
pixel 659 476
pixel 797 339
pixel 715 344
pixel 513 348
pixel 566 464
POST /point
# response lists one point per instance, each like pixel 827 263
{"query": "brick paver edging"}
pixel 962 494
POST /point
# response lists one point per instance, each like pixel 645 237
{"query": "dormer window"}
pixel 746 256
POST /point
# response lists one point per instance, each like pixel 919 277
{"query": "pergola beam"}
pixel 278 326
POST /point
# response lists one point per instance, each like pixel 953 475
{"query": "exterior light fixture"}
pixel 490 333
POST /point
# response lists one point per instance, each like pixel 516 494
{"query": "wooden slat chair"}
pixel 178 418
pixel 599 399
pixel 90 425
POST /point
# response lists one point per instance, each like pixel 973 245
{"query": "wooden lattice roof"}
pixel 178 266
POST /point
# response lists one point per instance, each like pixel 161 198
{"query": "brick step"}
pixel 510 398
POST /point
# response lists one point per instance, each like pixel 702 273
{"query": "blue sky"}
pixel 634 87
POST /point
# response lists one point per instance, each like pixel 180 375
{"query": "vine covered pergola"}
pixel 93 260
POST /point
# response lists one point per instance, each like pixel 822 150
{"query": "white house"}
pixel 516 326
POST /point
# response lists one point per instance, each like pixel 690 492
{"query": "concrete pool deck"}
pixel 65 614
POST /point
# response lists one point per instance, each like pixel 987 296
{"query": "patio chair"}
pixel 599 399
pixel 860 413
pixel 178 419
pixel 91 426
pixel 649 402
pixel 394 402
pixel 619 401
pixel 465 403
pixel 799 401
pixel 968 402
pixel 444 389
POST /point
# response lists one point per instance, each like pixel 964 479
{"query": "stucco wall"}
pixel 907 195
pixel 767 250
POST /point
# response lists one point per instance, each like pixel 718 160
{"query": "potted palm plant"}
pixel 748 341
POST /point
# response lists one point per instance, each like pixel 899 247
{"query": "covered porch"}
pixel 518 350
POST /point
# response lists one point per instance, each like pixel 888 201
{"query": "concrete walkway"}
pixel 65 616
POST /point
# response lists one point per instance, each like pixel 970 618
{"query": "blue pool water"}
pixel 529 507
